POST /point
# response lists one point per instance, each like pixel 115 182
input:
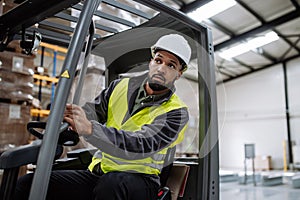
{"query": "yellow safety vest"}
pixel 117 108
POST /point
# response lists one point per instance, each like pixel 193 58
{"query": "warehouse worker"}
pixel 133 122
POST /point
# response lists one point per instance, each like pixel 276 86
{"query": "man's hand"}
pixel 76 117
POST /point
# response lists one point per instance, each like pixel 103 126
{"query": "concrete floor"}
pixel 236 190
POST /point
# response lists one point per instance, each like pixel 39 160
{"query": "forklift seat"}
pixel 171 177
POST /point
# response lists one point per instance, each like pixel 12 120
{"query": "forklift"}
pixel 130 55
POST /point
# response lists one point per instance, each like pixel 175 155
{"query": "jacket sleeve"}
pixel 97 110
pixel 143 143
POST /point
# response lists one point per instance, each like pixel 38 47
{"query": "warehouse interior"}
pixel 256 54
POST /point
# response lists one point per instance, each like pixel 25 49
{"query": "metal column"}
pixel 287 113
pixel 47 152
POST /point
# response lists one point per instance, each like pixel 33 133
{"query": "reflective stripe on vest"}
pixel 117 108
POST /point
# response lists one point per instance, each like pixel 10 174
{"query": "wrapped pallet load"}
pixel 16 94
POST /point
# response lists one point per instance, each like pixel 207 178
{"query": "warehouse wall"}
pixel 254 110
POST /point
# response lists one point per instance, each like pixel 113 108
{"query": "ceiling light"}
pixel 249 45
pixel 210 9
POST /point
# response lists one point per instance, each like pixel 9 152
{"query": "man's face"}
pixel 164 69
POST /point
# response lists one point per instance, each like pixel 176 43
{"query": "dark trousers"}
pixel 82 184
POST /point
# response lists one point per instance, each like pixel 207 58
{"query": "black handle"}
pixel 31 127
pixel 67 137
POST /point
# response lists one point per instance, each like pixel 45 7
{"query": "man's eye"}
pixel 172 66
pixel 157 61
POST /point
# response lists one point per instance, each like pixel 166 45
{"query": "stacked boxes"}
pixel 14 119
pixel 15 95
pixel 9 4
pixel 16 90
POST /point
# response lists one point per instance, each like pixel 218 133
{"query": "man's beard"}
pixel 156 86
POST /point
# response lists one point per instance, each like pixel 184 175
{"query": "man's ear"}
pixel 178 75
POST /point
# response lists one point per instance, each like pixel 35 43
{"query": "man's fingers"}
pixel 70 121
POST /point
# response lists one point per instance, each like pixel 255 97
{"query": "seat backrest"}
pixel 176 181
pixel 169 163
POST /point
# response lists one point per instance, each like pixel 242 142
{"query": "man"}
pixel 133 122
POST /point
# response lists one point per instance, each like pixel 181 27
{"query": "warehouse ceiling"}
pixel 245 20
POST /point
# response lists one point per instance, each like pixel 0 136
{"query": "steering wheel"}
pixel 67 137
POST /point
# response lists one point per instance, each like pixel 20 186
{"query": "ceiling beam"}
pixel 296 4
pixel 287 41
pixel 267 26
pixel 227 70
pixel 265 54
pixel 242 64
pixel 262 68
pixel 56 26
pixel 220 27
pixel 179 3
pixel 222 70
pixel 263 22
pixel 287 51
pixel 194 5
pixel 250 10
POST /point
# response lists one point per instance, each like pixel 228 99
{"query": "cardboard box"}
pixel 17 62
pixel 14 119
pixel 15 86
pixel 15 46
pixel 1 7
pixel 9 4
pixel 262 163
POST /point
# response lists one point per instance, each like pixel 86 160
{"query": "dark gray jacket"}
pixel 133 145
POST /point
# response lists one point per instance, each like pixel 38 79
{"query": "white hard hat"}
pixel 175 44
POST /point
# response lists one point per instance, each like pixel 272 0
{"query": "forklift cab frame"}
pixel 126 45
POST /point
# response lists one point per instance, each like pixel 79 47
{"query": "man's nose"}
pixel 162 68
